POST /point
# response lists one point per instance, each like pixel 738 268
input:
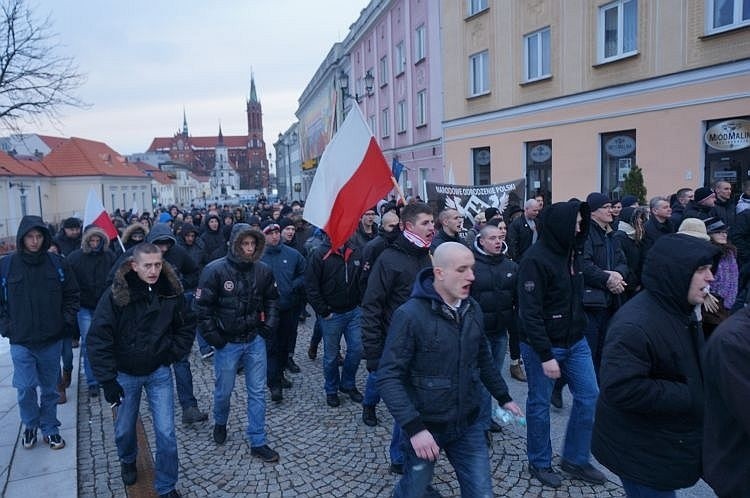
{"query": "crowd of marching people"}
pixel 639 309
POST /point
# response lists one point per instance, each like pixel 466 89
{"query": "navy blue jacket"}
pixel 288 268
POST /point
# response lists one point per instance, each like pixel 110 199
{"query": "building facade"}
pixel 572 99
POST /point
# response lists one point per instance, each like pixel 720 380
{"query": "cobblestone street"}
pixel 324 451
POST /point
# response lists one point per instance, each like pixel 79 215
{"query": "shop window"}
pixel 618 157
pixel 481 161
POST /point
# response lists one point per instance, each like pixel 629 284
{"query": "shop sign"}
pixel 620 146
pixel 541 153
pixel 733 134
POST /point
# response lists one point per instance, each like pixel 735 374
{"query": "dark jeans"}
pixel 468 455
pixel 291 343
pixel 514 343
pixel 635 490
pixel 317 334
pixel 596 332
pixel 278 346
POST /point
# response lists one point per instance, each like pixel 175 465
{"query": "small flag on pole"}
pixel 396 168
pixel 95 214
pixel 352 176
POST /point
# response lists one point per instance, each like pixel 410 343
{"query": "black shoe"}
pixel 93 391
pixel 312 351
pixel 285 383
pixel 332 400
pixel 495 427
pixel 55 441
pixel 129 473
pixel 556 399
pixel 292 367
pixel 546 476
pixel 586 472
pixel 193 414
pixel 220 433
pixel 397 468
pixel 29 438
pixel 353 393
pixel 171 494
pixel 368 415
pixel 431 492
pixel 276 394
pixel 241 370
pixel 264 453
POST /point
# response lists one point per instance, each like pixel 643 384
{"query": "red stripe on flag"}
pixel 105 223
pixel 369 183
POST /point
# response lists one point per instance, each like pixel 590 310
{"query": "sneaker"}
pixel 207 354
pixel 220 433
pixel 277 395
pixel 171 494
pixel 285 383
pixel 556 399
pixel 193 414
pixel 129 473
pixel 397 468
pixel 546 476
pixel 585 472
pixel 55 441
pixel 516 371
pixel 93 391
pixel 264 453
pixel 353 393
pixel 368 415
pixel 332 400
pixel 292 367
pixel 29 438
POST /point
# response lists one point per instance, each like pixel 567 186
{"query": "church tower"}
pixel 256 177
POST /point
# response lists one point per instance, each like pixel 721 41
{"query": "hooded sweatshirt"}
pixel 91 267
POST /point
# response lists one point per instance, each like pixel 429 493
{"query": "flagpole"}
pixel 398 188
pixel 122 246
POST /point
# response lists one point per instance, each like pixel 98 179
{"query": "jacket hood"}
pixel 483 255
pixel 123 284
pixel 29 223
pixel 188 228
pixel 161 231
pixel 131 229
pixel 213 217
pixel 90 233
pixel 670 265
pixel 239 232
pixel 559 224
pixel 424 287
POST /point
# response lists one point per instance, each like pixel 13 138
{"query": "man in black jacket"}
pixel 649 416
pixel 552 321
pixel 451 224
pixel 140 327
pixel 704 200
pixel 237 305
pixel 659 223
pixel 39 299
pixel 388 232
pixel 69 237
pixel 429 376
pixel 523 231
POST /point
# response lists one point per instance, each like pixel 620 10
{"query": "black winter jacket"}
pixel 550 281
pixel 495 289
pixel 695 210
pixel 726 447
pixel 212 239
pixel 372 252
pixel 38 305
pixel 441 237
pixel 740 234
pixel 435 362
pixel 68 245
pixel 237 299
pixel 196 250
pixel 601 252
pixel 137 328
pixel 91 267
pixel 653 230
pixel 521 236
pixel 649 415
pixel 389 286
pixel 332 279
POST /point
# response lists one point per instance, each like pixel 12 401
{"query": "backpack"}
pixel 5 271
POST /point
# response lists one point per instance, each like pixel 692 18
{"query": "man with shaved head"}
pixel 523 231
pixel 429 376
pixel 451 224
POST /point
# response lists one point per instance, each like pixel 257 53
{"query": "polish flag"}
pixel 95 214
pixel 352 177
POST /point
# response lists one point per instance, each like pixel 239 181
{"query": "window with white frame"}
pixel 384 123
pixel 476 6
pixel 537 55
pixel 400 59
pixel 722 15
pixel 420 49
pixel 618 29
pixel 401 116
pixel 479 73
pixel 371 123
pixel 421 107
pixel 383 73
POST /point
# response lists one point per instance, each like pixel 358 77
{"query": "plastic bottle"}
pixel 504 417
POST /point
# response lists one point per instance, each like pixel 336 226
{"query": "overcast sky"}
pixel 147 59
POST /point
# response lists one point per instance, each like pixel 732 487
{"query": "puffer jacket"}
pixel 137 328
pixel 435 362
pixel 237 298
pixel 494 288
pixel 332 279
pixel 91 267
pixel 648 426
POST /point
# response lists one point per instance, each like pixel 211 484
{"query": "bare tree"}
pixel 35 81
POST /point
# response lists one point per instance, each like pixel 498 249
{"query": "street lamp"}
pixel 344 85
pixel 22 188
pixel 287 141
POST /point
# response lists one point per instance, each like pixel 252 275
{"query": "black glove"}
pixel 372 365
pixel 113 392
pixel 265 332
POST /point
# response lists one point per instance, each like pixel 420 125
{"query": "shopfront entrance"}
pixel 728 152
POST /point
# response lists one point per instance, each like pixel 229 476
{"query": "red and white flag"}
pixel 351 177
pixel 95 214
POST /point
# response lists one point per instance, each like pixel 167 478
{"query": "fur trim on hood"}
pixel 168 284
pixel 239 232
pixel 90 233
pixel 128 232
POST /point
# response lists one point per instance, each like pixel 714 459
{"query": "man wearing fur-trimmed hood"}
pixel 237 305
pixel 140 327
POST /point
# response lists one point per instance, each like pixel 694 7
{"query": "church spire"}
pixel 184 122
pixel 253 94
pixel 221 136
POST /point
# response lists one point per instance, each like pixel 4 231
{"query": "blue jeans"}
pixel 184 379
pixel 635 490
pixel 252 356
pixel 498 347
pixel 203 346
pixel 371 396
pixel 468 455
pixel 160 395
pixel 84 323
pixel 40 367
pixel 67 354
pixel 332 328
pixel 575 363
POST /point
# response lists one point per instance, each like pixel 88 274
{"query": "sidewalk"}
pixel 38 471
